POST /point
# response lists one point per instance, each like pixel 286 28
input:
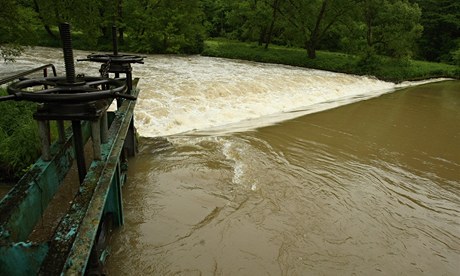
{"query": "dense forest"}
pixel 421 29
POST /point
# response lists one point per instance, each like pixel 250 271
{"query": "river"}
pixel 260 169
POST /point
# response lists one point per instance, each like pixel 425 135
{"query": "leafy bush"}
pixel 19 140
pixel 456 56
pixel 10 52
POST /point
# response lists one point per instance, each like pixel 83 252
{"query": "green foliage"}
pixel 19 142
pixel 9 13
pixel 279 54
pixel 174 26
pixel 83 15
pixel 10 51
pixel 361 27
pixel 164 26
pixel 313 20
pixel 250 20
pixel 16 28
pixel 368 62
pixel 384 68
pixel 384 28
pixel 441 23
pixel 456 56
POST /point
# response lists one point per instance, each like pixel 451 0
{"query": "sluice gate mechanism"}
pixel 76 245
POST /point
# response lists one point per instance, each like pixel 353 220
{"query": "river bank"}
pixel 382 68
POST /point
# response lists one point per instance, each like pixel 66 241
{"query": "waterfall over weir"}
pixel 193 93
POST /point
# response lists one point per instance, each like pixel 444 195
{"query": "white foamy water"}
pixel 194 93
pixel 182 94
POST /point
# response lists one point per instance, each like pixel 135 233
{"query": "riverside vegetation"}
pixel 19 142
pixel 381 67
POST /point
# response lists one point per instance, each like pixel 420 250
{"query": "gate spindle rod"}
pixel 114 40
pixel 64 30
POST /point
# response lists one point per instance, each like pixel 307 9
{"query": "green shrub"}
pixel 456 56
pixel 10 52
pixel 19 141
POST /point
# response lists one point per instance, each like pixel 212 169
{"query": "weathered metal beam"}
pixel 61 131
pixel 96 138
pixel 24 205
pixel 131 140
pixel 21 258
pixel 44 132
pixel 28 72
pixel 78 145
pixel 110 181
pixel 104 128
pixel 131 137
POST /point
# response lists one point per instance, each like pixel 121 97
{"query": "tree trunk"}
pixel 276 4
pixel 165 42
pixel 104 31
pixel 121 33
pixel 369 33
pixel 315 34
pixel 48 30
pixel 263 34
pixel 46 26
pixel 120 19
pixel 311 50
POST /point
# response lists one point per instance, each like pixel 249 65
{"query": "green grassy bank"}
pixel 381 67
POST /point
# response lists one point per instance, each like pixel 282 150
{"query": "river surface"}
pixel 259 169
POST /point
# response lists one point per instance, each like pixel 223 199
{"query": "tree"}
pixel 456 56
pixel 314 19
pixel 215 12
pixel 392 27
pixel 441 24
pixel 244 20
pixel 159 26
pixel 15 29
pixel 8 13
pixel 83 15
pixel 275 6
pixel 383 27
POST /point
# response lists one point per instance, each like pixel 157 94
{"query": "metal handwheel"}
pixel 57 90
pixel 104 58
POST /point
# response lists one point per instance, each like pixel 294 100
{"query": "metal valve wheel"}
pixel 104 58
pixel 58 90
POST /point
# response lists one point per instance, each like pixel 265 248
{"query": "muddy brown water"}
pixel 370 188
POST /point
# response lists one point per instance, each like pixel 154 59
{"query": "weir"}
pixel 78 244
